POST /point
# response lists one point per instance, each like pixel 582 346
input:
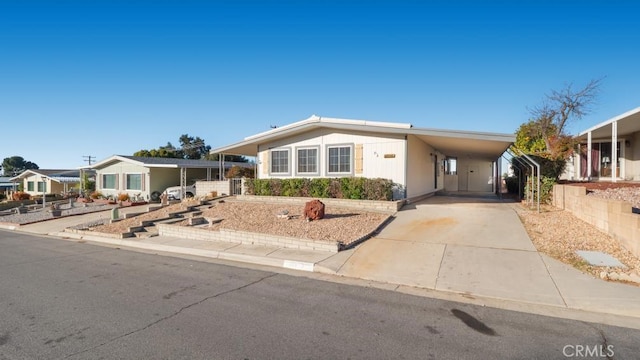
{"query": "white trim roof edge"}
pixel 314 119
pixel 403 128
pixel 609 121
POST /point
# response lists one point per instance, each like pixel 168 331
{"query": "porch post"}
pixel 589 155
pixel 614 151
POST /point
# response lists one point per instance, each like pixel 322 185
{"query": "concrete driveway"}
pixel 467 244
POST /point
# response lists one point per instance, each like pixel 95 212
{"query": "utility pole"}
pixel 88 158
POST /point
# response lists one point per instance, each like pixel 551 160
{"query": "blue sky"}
pixel 112 77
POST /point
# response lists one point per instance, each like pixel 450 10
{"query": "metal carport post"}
pixel 531 163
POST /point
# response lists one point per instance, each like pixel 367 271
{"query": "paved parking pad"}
pixel 512 274
pixel 398 262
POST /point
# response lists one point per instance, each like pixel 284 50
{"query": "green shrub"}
pixel 546 188
pixel 341 188
pixel 378 189
pixel 352 187
pixel 319 187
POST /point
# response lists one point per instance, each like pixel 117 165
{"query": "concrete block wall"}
pixel 243 237
pixel 614 217
pixel 369 205
pixel 203 188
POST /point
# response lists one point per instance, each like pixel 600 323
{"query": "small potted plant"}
pixel 54 209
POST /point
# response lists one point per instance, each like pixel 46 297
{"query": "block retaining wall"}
pixel 244 237
pixel 204 188
pixel 368 205
pixel 614 217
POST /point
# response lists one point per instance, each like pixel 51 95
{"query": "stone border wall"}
pixel 243 237
pixel 614 217
pixel 368 205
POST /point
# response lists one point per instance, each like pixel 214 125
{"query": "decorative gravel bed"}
pixel 122 226
pixel 43 214
pixel 629 194
pixel 559 234
pixel 339 224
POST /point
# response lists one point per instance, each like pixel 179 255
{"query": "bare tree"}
pixel 559 109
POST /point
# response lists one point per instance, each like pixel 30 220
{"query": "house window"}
pixel 109 181
pixel 339 158
pixel 451 166
pixel 307 161
pixel 134 181
pixel 42 186
pixel 279 161
pixel 30 186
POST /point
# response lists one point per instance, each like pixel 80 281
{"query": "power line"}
pixel 88 158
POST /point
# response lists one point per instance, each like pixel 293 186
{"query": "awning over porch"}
pixel 618 127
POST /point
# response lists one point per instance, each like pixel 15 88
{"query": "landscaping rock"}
pixel 314 210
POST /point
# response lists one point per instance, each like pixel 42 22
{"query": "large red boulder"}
pixel 314 210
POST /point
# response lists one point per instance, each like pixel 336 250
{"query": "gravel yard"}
pixel 339 224
pixel 122 226
pixel 40 214
pixel 559 234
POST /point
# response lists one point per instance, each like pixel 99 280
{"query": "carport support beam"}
pixel 183 183
pixel 539 180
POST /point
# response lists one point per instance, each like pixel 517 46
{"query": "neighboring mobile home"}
pixel 147 177
pixel 48 181
pixel 608 151
pixel 419 161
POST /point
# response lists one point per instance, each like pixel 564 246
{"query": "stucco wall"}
pixel 421 168
pixel 611 216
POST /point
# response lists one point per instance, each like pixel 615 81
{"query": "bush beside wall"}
pixel 356 188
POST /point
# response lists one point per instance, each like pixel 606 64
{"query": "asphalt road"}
pixel 69 300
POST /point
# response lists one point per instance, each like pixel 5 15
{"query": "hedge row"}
pixel 341 188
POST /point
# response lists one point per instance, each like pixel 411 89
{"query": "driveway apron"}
pixel 461 244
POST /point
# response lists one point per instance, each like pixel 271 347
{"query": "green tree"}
pixel 14 165
pixel 168 151
pixel 193 148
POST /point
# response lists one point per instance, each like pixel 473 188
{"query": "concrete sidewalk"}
pixel 472 251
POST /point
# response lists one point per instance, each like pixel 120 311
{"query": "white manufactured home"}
pixel 608 151
pixel 148 177
pixel 419 161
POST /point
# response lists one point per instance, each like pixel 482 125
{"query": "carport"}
pixel 420 161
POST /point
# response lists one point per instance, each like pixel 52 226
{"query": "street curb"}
pixel 252 259
pixel 610 318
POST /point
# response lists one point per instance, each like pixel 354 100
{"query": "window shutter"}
pixel 143 177
pixel 265 163
pixel 117 182
pixel 359 159
pixel 98 181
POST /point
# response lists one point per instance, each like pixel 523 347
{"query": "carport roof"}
pixel 161 162
pixel 628 123
pixel 449 142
